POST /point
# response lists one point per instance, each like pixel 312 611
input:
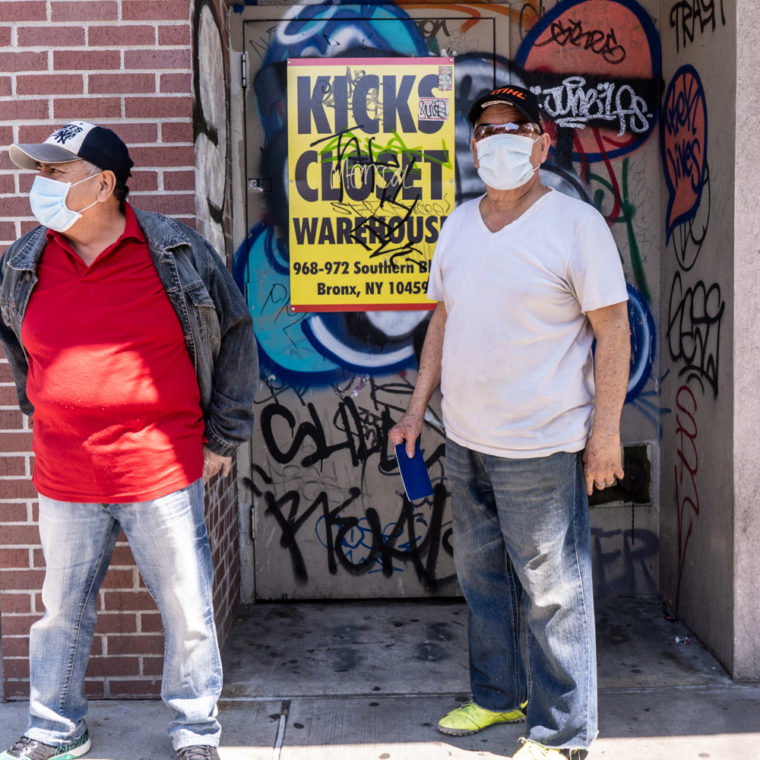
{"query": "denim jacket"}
pixel 214 317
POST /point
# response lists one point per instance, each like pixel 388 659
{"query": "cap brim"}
pixel 28 156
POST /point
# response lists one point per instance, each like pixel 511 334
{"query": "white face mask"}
pixel 504 160
pixel 48 201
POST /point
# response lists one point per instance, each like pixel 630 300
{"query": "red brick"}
pixel 134 689
pixel 14 558
pixel 26 226
pixel 157 107
pixel 5 36
pixel 97 646
pixel 15 668
pixel 152 666
pixel 20 535
pixel 156 60
pixel 122 84
pixel 160 156
pixel 18 625
pixel 177 131
pixel 175 83
pixel 104 10
pixel 19 603
pixel 121 36
pixel 26 61
pixel 16 646
pixel 34 132
pixel 86 108
pixel 127 600
pixel 179 180
pixel 21 579
pixel 11 419
pixel 12 466
pixel 6 135
pixel 95 689
pixel 11 110
pixel 122 579
pixel 15 441
pixel 150 622
pixel 86 60
pixel 116 622
pixel 17 489
pixel 49 84
pixel 7 185
pixel 5 87
pixel 50 36
pixel 122 556
pixel 136 644
pixel 133 134
pixel 165 203
pixel 143 10
pixel 38 558
pixel 8 395
pixel 143 181
pixel 12 513
pixel 27 10
pixel 174 34
pixel 106 667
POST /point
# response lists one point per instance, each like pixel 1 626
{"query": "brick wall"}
pixel 126 64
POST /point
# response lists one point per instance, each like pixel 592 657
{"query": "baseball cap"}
pixel 523 100
pixel 77 139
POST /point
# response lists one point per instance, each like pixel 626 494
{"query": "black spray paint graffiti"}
pixel 687 238
pixel 695 315
pixel 571 32
pixel 690 16
pixel 356 543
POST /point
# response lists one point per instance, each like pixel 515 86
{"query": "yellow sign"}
pixel 371 179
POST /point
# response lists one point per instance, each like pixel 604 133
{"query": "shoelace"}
pixel 36 749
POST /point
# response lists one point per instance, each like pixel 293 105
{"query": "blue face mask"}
pixel 48 201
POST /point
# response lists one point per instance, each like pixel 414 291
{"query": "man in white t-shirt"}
pixel 526 279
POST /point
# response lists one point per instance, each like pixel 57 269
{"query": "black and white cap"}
pixel 77 140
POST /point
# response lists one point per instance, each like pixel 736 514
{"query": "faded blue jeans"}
pixel 170 545
pixel 522 537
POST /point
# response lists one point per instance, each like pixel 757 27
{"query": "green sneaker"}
pixel 29 749
pixel 469 719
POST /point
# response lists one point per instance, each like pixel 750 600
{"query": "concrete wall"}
pixel 327 510
pixel 697 319
pixel 746 315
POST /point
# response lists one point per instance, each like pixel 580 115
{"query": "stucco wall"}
pixel 697 319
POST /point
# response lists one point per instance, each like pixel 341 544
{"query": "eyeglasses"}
pixel 524 129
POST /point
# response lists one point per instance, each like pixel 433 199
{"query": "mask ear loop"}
pixel 71 184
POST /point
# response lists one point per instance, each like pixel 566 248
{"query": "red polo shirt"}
pixel 117 413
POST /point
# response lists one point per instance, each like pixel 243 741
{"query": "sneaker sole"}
pixel 467 732
pixel 82 749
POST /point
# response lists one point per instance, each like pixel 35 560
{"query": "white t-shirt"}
pixel 517 368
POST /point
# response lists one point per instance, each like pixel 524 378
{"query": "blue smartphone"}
pixel 414 474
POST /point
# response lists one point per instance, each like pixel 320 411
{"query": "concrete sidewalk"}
pixel 369 680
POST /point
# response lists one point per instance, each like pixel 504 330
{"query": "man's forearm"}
pixel 611 366
pixel 429 373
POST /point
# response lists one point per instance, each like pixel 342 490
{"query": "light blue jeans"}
pixel 170 545
pixel 522 537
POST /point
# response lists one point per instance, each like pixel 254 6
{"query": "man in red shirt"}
pixel 133 349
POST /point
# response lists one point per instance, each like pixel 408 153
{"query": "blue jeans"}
pixel 170 545
pixel 522 538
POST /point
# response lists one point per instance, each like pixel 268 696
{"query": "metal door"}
pixel 329 518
